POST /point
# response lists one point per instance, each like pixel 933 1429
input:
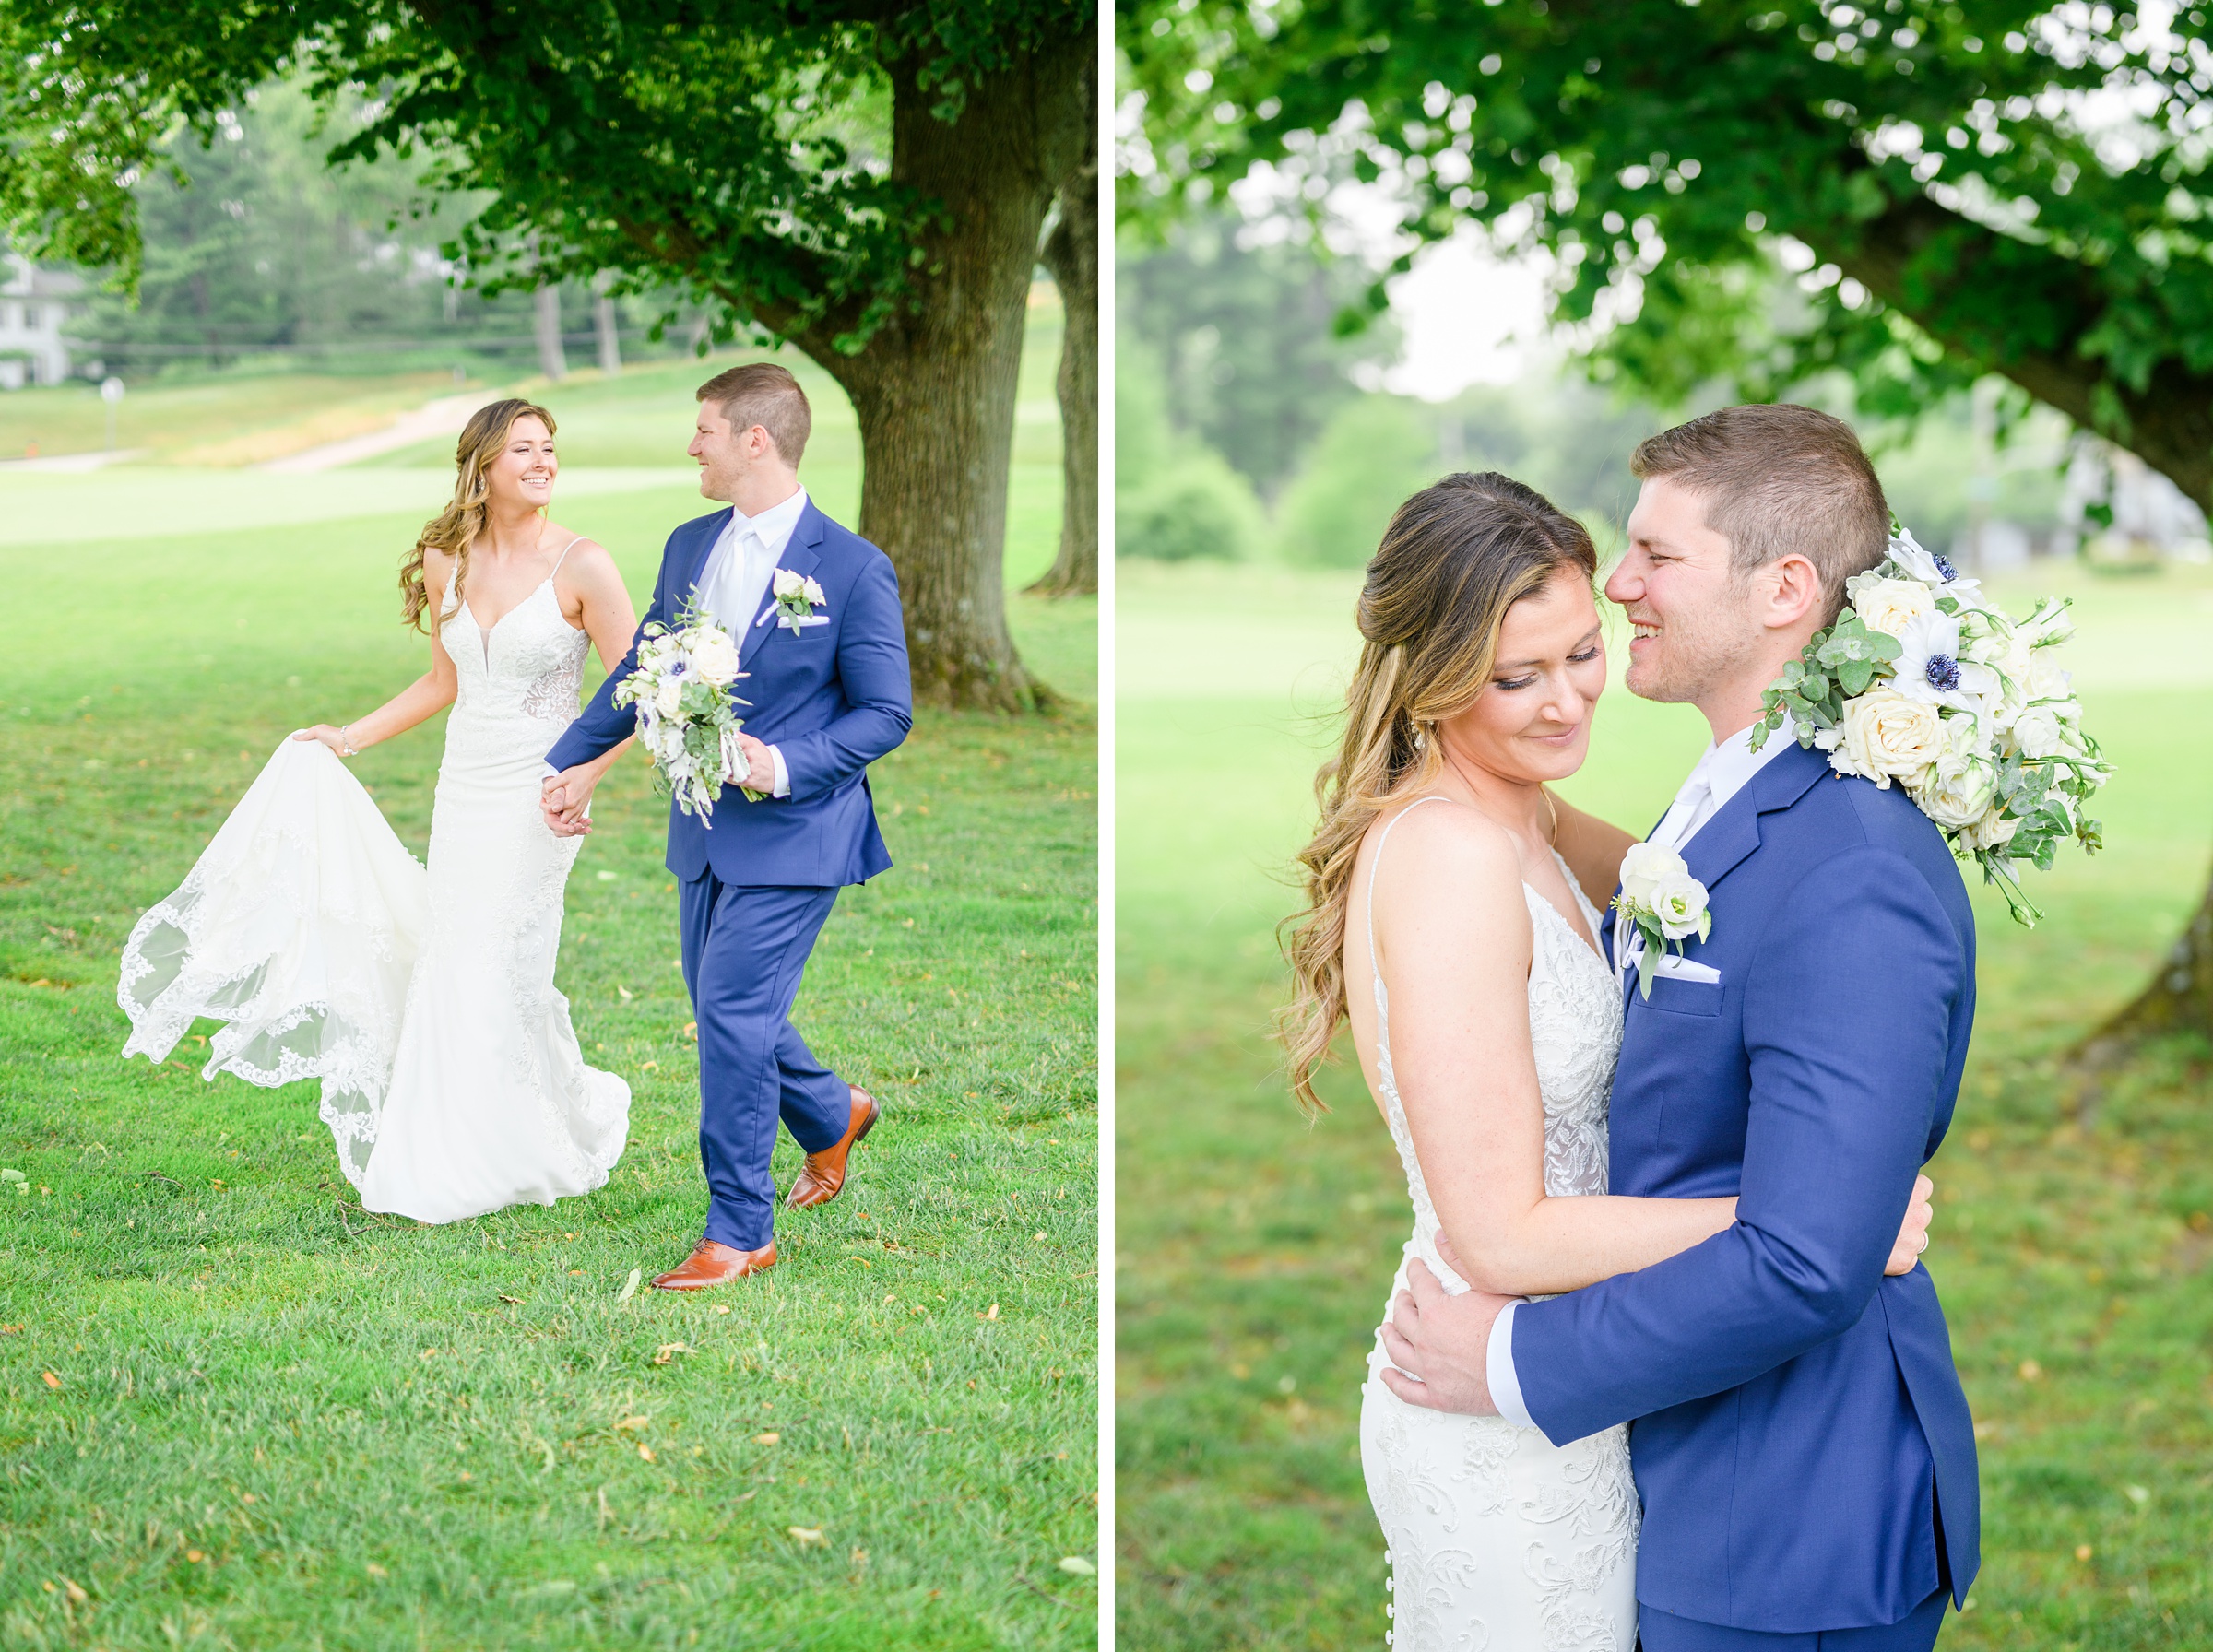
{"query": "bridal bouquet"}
pixel 1923 682
pixel 687 721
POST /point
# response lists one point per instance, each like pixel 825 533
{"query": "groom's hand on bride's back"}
pixel 1440 1345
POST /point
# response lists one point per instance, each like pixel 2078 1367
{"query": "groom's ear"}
pixel 1791 593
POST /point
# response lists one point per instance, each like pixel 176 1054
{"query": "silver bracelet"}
pixel 346 740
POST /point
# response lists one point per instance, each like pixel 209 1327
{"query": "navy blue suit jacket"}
pixel 832 698
pixel 1796 1414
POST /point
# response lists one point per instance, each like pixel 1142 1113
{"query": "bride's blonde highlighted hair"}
pixel 483 440
pixel 1454 558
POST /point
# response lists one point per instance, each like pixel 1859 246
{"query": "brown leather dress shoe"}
pixel 823 1175
pixel 714 1263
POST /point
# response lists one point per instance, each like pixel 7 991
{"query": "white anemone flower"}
pixel 1930 669
pixel 1934 570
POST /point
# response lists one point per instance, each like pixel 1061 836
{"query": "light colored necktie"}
pixel 728 599
pixel 1683 815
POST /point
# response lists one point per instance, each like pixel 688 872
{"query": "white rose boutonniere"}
pixel 1666 904
pixel 796 598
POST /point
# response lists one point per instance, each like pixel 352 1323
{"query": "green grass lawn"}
pixel 237 1412
pixel 1253 1252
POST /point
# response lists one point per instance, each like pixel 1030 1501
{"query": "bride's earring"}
pixel 1420 739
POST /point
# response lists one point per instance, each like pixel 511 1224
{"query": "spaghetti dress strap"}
pixel 563 556
pixel 1374 970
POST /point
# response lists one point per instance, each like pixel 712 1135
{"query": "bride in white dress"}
pixel 452 1080
pixel 1487 1024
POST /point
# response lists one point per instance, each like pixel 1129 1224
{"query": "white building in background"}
pixel 34 307
pixel 2151 518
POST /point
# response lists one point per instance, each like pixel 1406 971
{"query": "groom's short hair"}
pixel 1778 479
pixel 761 392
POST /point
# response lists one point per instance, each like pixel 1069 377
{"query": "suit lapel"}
pixel 802 553
pixel 1724 843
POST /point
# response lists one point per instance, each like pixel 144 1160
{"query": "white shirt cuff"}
pixel 551 772
pixel 783 786
pixel 1499 1370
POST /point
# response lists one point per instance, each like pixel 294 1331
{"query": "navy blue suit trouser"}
pixel 744 951
pixel 1916 1632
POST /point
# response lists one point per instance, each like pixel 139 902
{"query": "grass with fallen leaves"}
pixel 235 1411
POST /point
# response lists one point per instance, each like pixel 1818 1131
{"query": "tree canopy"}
pixel 866 179
pixel 1959 187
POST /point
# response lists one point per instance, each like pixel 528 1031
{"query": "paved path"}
pixel 444 416
pixel 74 463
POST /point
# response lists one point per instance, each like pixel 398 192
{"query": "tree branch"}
pixel 1938 268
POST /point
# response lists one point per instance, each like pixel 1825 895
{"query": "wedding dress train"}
pixel 1496 1539
pixel 451 1080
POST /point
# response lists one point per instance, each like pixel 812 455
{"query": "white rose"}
pixel 1888 604
pixel 1678 901
pixel 2043 680
pixel 1644 867
pixel 669 699
pixel 815 593
pixel 1958 791
pixel 715 659
pixel 1994 830
pixel 1887 737
pixel 2037 734
pixel 787 582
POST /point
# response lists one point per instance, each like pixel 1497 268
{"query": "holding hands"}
pixel 566 797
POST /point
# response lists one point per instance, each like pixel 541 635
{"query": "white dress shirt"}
pixel 733 586
pixel 1725 770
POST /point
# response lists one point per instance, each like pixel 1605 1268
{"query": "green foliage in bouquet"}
pixel 1922 683
pixel 1838 664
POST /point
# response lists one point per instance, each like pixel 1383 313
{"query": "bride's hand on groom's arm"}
pixel 1439 1346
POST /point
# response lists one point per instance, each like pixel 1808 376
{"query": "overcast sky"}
pixel 1468 318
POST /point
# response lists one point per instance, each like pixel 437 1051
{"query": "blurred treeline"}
pixel 1251 423
pixel 261 253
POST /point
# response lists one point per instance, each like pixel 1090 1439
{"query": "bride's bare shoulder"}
pixel 1446 844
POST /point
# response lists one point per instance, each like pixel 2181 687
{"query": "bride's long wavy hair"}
pixel 483 440
pixel 1454 558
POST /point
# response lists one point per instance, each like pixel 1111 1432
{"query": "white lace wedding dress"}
pixel 425 1001
pixel 1496 1539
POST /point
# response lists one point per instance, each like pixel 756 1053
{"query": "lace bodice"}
pixel 531 662
pixel 1575 1015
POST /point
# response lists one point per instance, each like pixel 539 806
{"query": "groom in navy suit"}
pixel 1800 1439
pixel 824 695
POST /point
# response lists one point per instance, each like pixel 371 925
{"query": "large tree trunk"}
pixel 1071 254
pixel 934 387
pixel 2178 999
